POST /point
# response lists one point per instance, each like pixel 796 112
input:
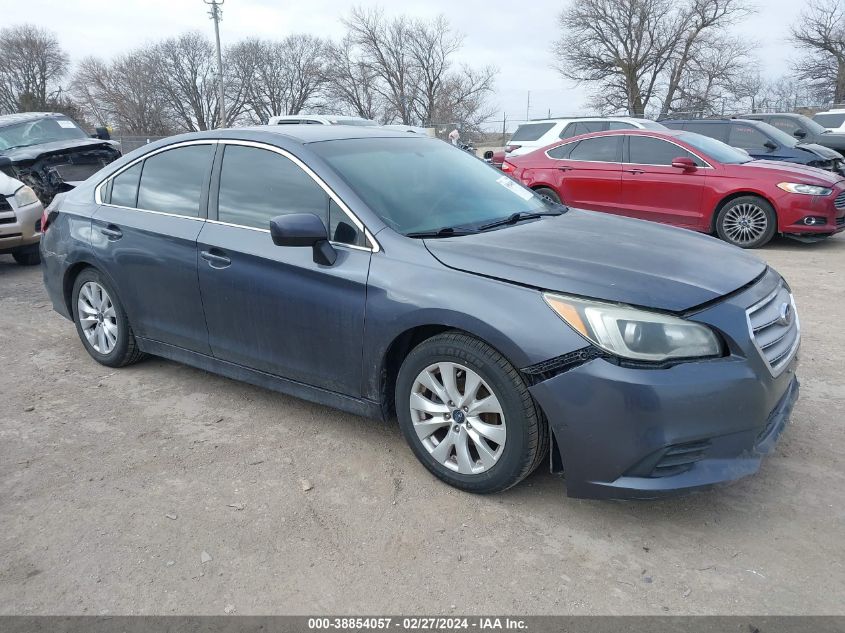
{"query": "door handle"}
pixel 635 171
pixel 214 260
pixel 111 232
pixel 564 168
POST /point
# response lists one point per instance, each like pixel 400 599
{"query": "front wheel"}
pixel 28 256
pixel 747 222
pixel 467 414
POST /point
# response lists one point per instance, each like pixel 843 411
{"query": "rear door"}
pixel 269 307
pixel 144 235
pixel 588 173
pixel 654 190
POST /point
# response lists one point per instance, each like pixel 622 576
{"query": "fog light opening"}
pixel 812 220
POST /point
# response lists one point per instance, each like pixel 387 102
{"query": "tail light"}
pixel 511 148
pixel 50 212
pixel 508 168
pixel 45 216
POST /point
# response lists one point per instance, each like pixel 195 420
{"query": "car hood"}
pixel 794 170
pixel 605 257
pixel 34 152
pixel 818 150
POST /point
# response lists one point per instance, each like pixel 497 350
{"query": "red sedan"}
pixel 687 180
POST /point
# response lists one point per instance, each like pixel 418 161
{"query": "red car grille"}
pixel 839 202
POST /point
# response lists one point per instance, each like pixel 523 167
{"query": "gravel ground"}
pixel 161 489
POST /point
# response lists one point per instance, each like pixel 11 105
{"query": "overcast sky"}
pixel 516 36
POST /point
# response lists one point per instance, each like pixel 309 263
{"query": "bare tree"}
pixel 431 45
pixel 638 53
pixel 715 78
pixel 122 93
pixel 351 82
pixel 280 77
pixel 695 47
pixel 384 49
pixel 820 32
pixel 620 46
pixel 32 64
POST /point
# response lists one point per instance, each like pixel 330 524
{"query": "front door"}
pixel 269 307
pixel 654 190
pixel 145 234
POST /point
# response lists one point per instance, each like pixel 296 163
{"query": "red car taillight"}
pixel 508 167
pixel 45 216
pixel 511 148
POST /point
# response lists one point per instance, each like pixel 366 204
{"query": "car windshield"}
pixel 780 136
pixel 811 125
pixel 717 150
pixel 38 132
pixel 420 185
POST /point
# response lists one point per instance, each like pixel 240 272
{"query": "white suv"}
pixel 536 134
pixel 833 120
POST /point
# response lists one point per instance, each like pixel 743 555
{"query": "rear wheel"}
pixel 747 222
pixel 28 256
pixel 551 194
pixel 101 321
pixel 467 414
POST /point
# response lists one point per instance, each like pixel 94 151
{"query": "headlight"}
pixel 636 334
pixel 24 196
pixel 810 190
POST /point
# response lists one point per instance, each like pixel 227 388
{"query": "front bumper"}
pixel 20 226
pixel 641 433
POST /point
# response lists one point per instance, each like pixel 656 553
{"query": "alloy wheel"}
pixel 745 223
pixel 97 317
pixel 458 418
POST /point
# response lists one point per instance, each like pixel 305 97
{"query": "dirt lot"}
pixel 116 486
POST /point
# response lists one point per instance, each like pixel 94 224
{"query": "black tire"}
pixel 754 203
pixel 551 194
pixel 29 256
pixel 527 432
pixel 125 350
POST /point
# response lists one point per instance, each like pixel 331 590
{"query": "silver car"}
pixel 20 221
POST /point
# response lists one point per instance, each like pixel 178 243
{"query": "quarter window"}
pixel 257 185
pixel 561 151
pixel 124 189
pixel 603 149
pixel 173 181
pixel 646 150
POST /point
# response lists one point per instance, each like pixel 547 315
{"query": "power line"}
pixel 216 14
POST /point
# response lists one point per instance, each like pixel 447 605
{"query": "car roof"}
pixel 562 119
pixel 302 134
pixel 767 114
pixel 24 117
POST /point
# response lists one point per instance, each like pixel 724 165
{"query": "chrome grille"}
pixel 839 202
pixel 775 330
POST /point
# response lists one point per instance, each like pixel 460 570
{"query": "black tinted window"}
pixel 602 149
pixel 172 181
pixel 619 125
pixel 531 131
pixel 746 137
pixel 569 131
pixel 645 150
pixel 257 185
pixel 124 189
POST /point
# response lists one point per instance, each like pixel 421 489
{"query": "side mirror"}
pixel 769 145
pixel 304 229
pixel 799 134
pixel 488 155
pixel 684 162
pixel 102 134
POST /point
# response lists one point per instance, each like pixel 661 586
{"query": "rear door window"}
pixel 603 149
pixel 531 131
pixel 174 181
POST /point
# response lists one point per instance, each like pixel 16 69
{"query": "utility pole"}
pixel 216 14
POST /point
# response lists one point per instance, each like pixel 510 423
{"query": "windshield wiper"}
pixel 446 231
pixel 513 218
